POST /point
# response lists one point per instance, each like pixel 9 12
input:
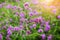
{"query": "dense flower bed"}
pixel 20 21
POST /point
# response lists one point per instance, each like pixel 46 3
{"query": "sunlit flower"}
pixel 58 16
pixel 54 11
pixel 26 5
pixel 35 1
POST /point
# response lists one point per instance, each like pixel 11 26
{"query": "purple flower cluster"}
pixel 28 21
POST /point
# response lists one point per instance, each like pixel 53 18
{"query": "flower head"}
pixel 22 15
pixel 26 5
pixel 50 37
pixel 0 36
pixel 35 1
pixel 28 32
pixel 8 38
pixel 43 36
pixel 40 30
pixel 9 32
pixel 16 28
pixel 47 28
pixel 58 16
pixel 9 6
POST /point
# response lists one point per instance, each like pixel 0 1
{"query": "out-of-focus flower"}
pixel 58 16
pixel 22 15
pixel 26 5
pixel 9 6
pixel 38 20
pixel 33 26
pixel 47 28
pixel 54 11
pixel 31 14
pixel 16 13
pixel 8 38
pixel 1 37
pixel 43 36
pixel 22 19
pixel 10 27
pixel 47 23
pixel 21 27
pixel 1 6
pixel 35 1
pixel 40 30
pixel 11 20
pixel 4 27
pixel 9 32
pixel 49 37
pixel 30 9
pixel 16 28
pixel 35 12
pixel 14 7
pixel 52 6
pixel 28 32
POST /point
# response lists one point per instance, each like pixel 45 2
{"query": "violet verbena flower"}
pixel 35 1
pixel 52 7
pixel 10 28
pixel 21 27
pixel 16 28
pixel 1 37
pixel 38 20
pixel 28 32
pixel 1 6
pixel 40 30
pixel 14 7
pixel 22 19
pixel 22 15
pixel 54 11
pixel 9 32
pixel 30 9
pixel 58 16
pixel 31 14
pixel 26 5
pixel 47 28
pixel 43 36
pixel 8 38
pixel 9 6
pixel 16 13
pixel 35 12
pixel 47 23
pixel 33 26
pixel 49 37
